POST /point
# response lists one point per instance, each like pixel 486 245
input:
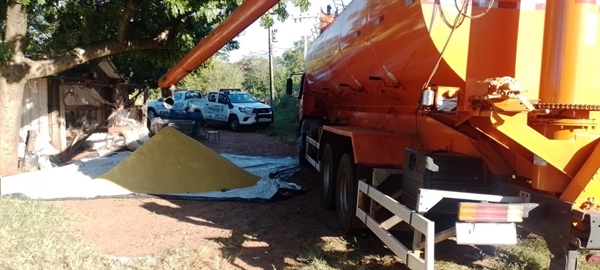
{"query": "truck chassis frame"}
pixel 542 213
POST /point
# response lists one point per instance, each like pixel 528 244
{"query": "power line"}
pixel 298 18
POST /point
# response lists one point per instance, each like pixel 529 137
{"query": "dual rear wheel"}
pixel 338 185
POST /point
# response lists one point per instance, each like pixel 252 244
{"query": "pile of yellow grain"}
pixel 172 162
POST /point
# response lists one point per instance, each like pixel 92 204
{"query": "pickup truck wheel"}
pixel 234 123
pixel 346 188
pixel 328 168
pixel 151 113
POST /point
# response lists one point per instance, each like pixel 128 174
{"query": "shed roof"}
pixel 110 69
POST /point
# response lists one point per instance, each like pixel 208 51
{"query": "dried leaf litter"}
pixel 172 162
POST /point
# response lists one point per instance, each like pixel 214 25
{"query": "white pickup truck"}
pixel 232 107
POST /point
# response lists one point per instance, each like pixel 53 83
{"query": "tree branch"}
pixel 16 29
pixel 125 18
pixel 174 25
pixel 83 54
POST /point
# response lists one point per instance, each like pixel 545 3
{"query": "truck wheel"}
pixel 346 194
pixel 328 169
pixel 151 113
pixel 234 123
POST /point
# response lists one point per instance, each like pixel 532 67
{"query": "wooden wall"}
pixel 45 111
pixel 56 112
pixel 35 108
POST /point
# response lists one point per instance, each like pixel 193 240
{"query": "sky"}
pixel 254 40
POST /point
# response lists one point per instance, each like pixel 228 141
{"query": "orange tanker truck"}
pixel 451 118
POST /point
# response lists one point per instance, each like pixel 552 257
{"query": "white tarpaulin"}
pixel 76 181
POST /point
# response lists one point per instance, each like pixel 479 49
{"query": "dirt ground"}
pixel 248 235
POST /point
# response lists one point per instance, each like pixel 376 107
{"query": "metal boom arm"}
pixel 247 13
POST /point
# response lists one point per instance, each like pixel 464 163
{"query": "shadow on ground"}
pixel 293 233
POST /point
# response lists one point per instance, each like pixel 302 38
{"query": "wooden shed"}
pixel 65 108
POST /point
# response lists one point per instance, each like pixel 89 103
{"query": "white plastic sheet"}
pixel 269 188
pixel 76 181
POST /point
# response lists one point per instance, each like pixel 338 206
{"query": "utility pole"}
pixel 305 38
pixel 271 75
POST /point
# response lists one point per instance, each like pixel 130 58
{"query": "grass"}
pixel 35 235
pixel 338 253
pixel 285 125
pixel 32 236
pixel 530 253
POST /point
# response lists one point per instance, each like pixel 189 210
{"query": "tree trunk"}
pixel 11 102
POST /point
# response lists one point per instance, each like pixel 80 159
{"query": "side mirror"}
pixel 168 103
pixel 289 87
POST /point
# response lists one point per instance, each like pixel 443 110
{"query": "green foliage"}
pixel 5 52
pixel 218 74
pixel 56 27
pixel 286 108
pixel 280 11
pixel 286 114
pixel 256 76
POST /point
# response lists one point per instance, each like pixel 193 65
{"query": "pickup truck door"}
pixel 223 105
pixel 212 107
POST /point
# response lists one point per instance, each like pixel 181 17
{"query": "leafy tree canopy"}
pixel 159 33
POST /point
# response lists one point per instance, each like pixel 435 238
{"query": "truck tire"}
pixel 234 123
pixel 346 187
pixel 328 169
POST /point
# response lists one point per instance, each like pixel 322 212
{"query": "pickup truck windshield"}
pixel 193 94
pixel 242 98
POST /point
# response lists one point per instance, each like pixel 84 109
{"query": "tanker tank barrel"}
pixel 247 13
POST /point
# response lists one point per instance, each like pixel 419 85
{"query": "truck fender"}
pixel 370 146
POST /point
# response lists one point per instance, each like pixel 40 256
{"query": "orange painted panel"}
pixel 570 59
pixel 376 147
pixel 372 44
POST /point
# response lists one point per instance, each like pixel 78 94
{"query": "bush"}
pixel 286 115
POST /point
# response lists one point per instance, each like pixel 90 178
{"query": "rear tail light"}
pixel 490 212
